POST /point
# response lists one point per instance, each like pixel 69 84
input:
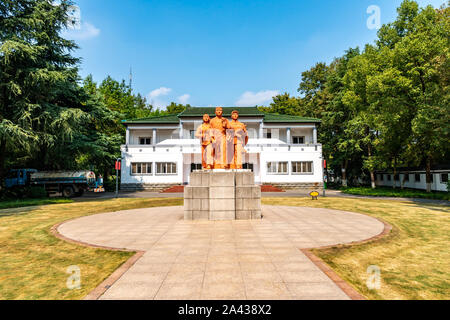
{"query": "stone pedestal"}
pixel 222 195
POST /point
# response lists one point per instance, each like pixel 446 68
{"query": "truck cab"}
pixel 19 178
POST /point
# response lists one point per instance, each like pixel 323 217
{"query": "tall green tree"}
pixel 175 108
pixel 40 104
pixel 338 148
pixel 414 80
pixel 284 104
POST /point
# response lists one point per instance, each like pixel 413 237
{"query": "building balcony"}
pixel 192 146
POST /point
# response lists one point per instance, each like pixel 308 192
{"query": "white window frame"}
pixel 278 163
pixel 299 144
pixel 146 144
pixel 157 164
pixel 302 163
pixel 149 165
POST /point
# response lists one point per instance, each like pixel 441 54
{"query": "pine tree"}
pixel 40 99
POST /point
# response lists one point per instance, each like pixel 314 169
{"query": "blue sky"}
pixel 229 53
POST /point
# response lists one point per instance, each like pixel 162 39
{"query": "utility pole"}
pixel 325 177
pixel 118 168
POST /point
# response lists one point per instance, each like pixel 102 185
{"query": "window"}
pixel 298 140
pixel 417 177
pixel 406 177
pixel 267 134
pixel 380 177
pixel 248 166
pixel 396 177
pixel 277 167
pixel 302 167
pixel 196 166
pixel 141 168
pixel 166 168
pixel 192 134
pixel 444 177
pixel 145 141
pixel 388 177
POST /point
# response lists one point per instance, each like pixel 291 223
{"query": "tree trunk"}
pixel 404 180
pixel 428 174
pixel 372 173
pixel 394 184
pixel 344 173
pixel 372 179
pixel 2 161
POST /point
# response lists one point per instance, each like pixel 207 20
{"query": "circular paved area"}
pixel 254 260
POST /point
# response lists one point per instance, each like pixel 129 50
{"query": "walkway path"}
pixel 223 260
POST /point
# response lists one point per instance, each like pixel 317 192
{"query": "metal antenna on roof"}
pixel 131 77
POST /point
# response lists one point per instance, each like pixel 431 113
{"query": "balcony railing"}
pixel 193 146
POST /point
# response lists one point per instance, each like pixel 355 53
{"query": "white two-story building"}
pixel 161 152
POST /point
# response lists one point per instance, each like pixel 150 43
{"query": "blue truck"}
pixel 68 183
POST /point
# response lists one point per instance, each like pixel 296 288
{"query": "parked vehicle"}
pixel 69 183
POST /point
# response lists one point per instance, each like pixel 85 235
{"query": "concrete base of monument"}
pixel 222 195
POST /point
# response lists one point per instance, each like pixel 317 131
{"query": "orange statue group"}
pixel 223 141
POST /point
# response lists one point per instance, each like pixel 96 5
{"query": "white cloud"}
pixel 251 99
pixel 86 31
pixel 154 97
pixel 163 91
pixel 184 99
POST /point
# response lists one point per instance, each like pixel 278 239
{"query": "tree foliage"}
pixel 387 106
pixel 49 118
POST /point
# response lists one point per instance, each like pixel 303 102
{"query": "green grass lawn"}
pixel 5 204
pixel 414 259
pixel 33 262
pixel 397 193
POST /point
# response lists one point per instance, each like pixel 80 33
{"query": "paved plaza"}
pixel 229 260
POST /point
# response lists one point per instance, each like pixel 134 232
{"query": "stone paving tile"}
pixel 184 276
pixel 179 291
pixel 223 291
pixel 316 291
pixel 132 290
pixel 256 275
pixel 267 290
pixel 223 260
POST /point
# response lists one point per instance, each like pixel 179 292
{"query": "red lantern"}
pixel 118 165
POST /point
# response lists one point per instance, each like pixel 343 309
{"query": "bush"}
pixel 397 193
pixel 110 184
pixel 23 192
pixel 37 193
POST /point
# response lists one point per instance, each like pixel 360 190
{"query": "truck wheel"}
pixel 68 192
